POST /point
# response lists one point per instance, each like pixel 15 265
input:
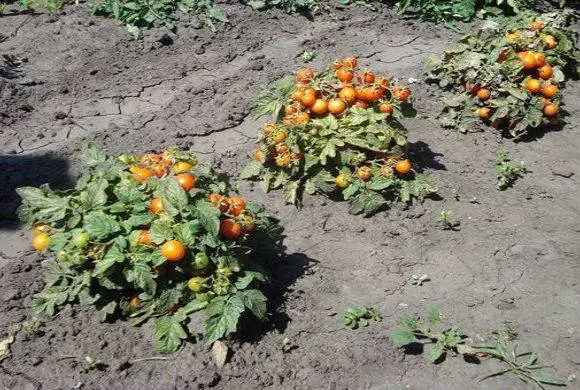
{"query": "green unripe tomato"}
pixel 196 284
pixel 200 261
pixel 227 271
pixel 81 240
pixel 124 159
pixel 62 255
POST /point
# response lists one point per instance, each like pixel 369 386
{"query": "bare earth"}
pixel 515 257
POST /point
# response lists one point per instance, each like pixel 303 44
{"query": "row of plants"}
pixel 156 236
pixel 137 15
pixel 337 132
pixel 509 75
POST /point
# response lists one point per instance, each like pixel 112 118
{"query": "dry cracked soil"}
pixel 71 77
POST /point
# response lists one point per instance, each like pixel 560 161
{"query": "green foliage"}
pixel 438 342
pixel 90 363
pixel 48 5
pixel 489 59
pixel 289 6
pixel 139 14
pixel 353 317
pixel 447 12
pixel 103 259
pixel 447 220
pixel 522 364
pixel 303 152
pixel 507 171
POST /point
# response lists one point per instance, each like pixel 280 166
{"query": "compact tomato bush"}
pixel 338 132
pixel 509 75
pixel 154 236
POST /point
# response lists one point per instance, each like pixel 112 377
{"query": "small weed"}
pixel 306 56
pixel 522 364
pixel 447 222
pixel 419 280
pixel 91 363
pixel 507 171
pixel 31 328
pixel 353 317
pixel 441 342
pixel 287 345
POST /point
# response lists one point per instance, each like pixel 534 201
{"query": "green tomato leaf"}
pixel 224 314
pixel 255 301
pixel 209 216
pixel 169 334
pixel 100 225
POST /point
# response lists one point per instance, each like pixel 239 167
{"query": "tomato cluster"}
pixel 534 67
pixel 316 95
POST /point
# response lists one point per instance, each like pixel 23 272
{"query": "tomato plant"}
pixel 509 75
pixel 116 252
pixel 338 132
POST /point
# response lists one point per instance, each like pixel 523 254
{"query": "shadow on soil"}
pixel 425 157
pixel 21 171
pixel 284 269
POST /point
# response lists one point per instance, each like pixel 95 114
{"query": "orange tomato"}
pixel 305 75
pixel 186 180
pixel 156 205
pixel 350 62
pixel 280 136
pixel 483 112
pixel 218 201
pixel 320 107
pixel 144 238
pixel 546 72
pixel 348 94
pixel 344 75
pixel 540 59
pixel 403 167
pixel 387 108
pixel 41 241
pixel 230 229
pixel 401 94
pixel 237 205
pixel 173 250
pixel 364 173
pixel 141 174
pixel 550 42
pixel 483 94
pixel 537 25
pixel 550 110
pixel 550 90
pixel 533 85
pixel 302 117
pixel 528 61
pixel 336 106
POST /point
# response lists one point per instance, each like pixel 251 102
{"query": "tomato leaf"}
pixel 209 216
pixel 255 301
pixel 252 169
pixel 94 195
pixel 92 155
pixel 49 299
pixel 112 256
pixel 224 313
pixel 43 203
pixel 367 203
pixel 173 196
pixel 140 274
pixel 100 225
pixel 169 334
pixel 247 278
pixel 161 231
